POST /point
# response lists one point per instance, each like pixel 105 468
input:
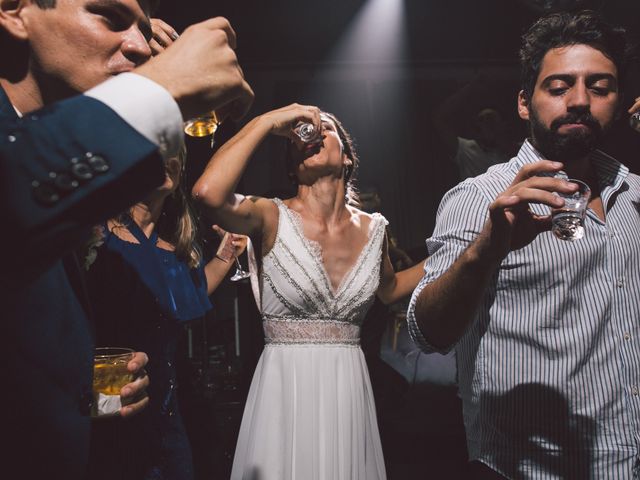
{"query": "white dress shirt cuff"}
pixel 146 106
pixel 412 324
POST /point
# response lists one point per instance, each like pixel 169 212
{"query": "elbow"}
pixel 202 194
pixel 436 339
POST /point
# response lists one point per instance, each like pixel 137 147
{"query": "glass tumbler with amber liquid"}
pixel 110 374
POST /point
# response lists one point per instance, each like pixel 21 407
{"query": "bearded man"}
pixel 546 331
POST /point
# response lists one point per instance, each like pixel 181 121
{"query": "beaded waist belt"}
pixel 296 331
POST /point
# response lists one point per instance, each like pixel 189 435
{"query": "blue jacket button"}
pixel 44 193
pixel 97 163
pixel 82 171
pixel 64 182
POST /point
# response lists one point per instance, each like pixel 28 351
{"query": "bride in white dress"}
pixel 310 413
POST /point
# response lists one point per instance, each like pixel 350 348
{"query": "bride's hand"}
pixel 283 120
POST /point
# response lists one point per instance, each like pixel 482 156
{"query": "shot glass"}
pixel 307 133
pixel 205 125
pixel 202 126
pixel 568 221
pixel 110 374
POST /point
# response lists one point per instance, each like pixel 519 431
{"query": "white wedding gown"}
pixel 310 413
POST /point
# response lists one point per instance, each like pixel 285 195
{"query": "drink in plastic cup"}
pixel 110 374
pixel 568 221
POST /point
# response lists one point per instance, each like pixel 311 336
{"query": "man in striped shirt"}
pixel 546 331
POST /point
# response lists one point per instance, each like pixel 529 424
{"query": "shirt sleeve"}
pixel 460 218
pixel 146 106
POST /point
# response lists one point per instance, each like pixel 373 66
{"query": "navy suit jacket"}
pixel 63 169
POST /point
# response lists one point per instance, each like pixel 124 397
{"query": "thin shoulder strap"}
pixel 137 232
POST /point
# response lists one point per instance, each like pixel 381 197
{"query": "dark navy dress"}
pixel 142 295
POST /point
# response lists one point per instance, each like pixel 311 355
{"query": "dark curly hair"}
pixel 564 29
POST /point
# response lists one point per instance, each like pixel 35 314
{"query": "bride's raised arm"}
pixel 215 188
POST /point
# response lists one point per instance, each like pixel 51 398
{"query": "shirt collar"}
pixel 610 172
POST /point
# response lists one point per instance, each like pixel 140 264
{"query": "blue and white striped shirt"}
pixel 549 371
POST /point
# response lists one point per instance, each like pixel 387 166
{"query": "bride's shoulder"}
pixel 364 218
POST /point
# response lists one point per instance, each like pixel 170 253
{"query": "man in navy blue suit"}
pixel 68 161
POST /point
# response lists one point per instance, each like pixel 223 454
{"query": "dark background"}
pixel 291 51
pixel 287 49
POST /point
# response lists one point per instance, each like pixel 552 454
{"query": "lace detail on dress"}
pixel 296 287
pixel 374 235
pixel 312 246
pixel 317 331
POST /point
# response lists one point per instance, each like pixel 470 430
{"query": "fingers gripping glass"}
pixel 110 374
pixel 239 274
pixel 568 221
pixel 226 251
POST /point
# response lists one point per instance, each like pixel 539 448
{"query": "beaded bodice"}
pixel 298 303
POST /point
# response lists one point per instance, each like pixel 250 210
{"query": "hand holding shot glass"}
pixel 115 370
pixel 567 222
pixel 307 133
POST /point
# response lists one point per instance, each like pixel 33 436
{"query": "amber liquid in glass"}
pixel 109 376
pixel 202 126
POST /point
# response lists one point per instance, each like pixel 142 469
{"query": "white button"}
pixel 627 336
pixel 635 391
pixel 11 138
pixel 620 283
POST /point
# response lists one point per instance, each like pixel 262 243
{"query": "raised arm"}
pixel 77 162
pixel 64 169
pixel 445 307
pixel 215 187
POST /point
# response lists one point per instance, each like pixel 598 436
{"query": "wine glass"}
pixel 239 274
pixel 203 126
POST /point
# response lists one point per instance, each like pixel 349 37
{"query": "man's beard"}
pixel 570 146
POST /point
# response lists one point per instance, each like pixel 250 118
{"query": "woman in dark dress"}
pixel 146 279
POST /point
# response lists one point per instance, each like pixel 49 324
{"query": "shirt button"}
pixel 11 138
pixel 168 364
pixel 620 283
pixel 627 336
pixel 81 171
pixel 635 391
pixel 64 182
